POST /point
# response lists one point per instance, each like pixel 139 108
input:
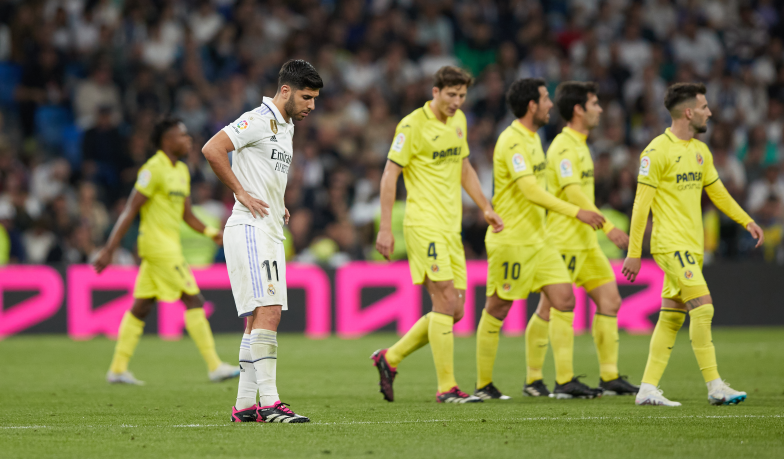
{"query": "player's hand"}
pixel 286 216
pixel 619 238
pixel 494 220
pixel 596 221
pixel 631 267
pixel 757 233
pixel 385 243
pixel 218 238
pixel 255 206
pixel 102 260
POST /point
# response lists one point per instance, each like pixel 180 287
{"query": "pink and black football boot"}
pixel 246 415
pixel 279 412
pixel 386 374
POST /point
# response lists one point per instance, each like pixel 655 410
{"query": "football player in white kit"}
pixel 253 239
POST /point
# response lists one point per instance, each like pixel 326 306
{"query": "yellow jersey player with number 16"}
pixel 431 151
pixel 674 169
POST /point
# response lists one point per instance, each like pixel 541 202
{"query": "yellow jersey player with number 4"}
pixel 162 194
pixel 570 177
pixel 674 169
pixel 520 259
pixel 431 151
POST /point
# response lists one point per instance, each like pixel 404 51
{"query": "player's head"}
pixel 529 97
pixel 686 101
pixel 298 85
pixel 577 102
pixel 450 85
pixel 171 136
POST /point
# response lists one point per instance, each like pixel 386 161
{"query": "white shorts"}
pixel 257 268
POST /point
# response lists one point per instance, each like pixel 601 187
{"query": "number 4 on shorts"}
pixel 431 251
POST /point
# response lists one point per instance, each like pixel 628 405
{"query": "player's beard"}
pixel 701 129
pixel 542 120
pixel 291 109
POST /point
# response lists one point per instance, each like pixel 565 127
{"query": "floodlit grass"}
pixel 54 403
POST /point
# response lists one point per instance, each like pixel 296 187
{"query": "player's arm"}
pixel 193 221
pixel 470 182
pixel 216 150
pixel 642 206
pixel 578 198
pixel 127 216
pixel 385 241
pixel 539 196
pixel 718 193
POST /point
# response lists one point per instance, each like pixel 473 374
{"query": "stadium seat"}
pixel 10 74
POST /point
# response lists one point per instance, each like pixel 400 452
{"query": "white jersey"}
pixel 262 156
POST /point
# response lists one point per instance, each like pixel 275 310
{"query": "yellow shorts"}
pixel 683 279
pixel 514 271
pixel 588 268
pixel 435 254
pixel 165 280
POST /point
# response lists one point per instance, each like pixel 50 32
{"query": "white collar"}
pixel 267 101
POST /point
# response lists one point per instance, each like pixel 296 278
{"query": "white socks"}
pixel 246 393
pixel 714 385
pixel 264 354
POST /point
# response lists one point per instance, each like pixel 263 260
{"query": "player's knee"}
pixel 564 303
pixel 611 306
pixel 498 310
pixel 141 310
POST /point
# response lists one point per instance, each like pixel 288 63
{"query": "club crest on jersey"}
pixel 645 166
pixel 434 268
pixel 700 161
pixel 400 140
pixel 566 168
pixel 242 125
pixel 459 132
pixel 688 274
pixel 518 162
pixel 274 126
pixel 507 287
pixel 271 290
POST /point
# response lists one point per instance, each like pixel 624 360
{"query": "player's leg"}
pixel 131 329
pixel 671 318
pixel 536 339
pixel 245 407
pixel 487 336
pixel 199 330
pixel 604 293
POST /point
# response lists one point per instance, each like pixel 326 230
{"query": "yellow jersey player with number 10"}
pixel 431 150
pixel 570 177
pixel 520 259
pixel 674 169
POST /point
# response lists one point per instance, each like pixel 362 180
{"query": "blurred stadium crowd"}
pixel 83 81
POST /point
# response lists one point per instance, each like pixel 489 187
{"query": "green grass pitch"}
pixel 54 403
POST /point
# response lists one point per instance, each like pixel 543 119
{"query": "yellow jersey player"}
pixel 162 194
pixel 521 259
pixel 674 169
pixel 431 151
pixel 570 177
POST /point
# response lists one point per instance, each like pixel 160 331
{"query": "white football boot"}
pixel 125 377
pixel 224 372
pixel 720 393
pixel 647 396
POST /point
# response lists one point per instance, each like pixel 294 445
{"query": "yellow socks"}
pixel 662 342
pixel 486 348
pixel 702 342
pixel 415 338
pixel 442 343
pixel 131 330
pixel 535 348
pixel 605 336
pixel 199 330
pixel 562 340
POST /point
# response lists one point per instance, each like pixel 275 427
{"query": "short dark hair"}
pixel 299 74
pixel 571 93
pixel 161 128
pixel 681 92
pixel 521 93
pixel 450 75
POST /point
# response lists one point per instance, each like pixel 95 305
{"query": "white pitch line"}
pixel 418 421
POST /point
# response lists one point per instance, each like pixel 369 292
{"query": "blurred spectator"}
pixel 771 184
pixel 97 91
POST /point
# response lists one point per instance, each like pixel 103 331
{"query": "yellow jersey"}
pixel 166 187
pixel 431 154
pixel 678 170
pixel 569 162
pixel 517 153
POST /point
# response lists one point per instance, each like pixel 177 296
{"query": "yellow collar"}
pixel 576 134
pixel 516 124
pixel 166 158
pixel 675 138
pixel 430 115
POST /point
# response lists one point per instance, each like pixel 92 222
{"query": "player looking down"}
pixel 674 169
pixel 521 259
pixel 162 194
pixel 262 144
pixel 431 151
